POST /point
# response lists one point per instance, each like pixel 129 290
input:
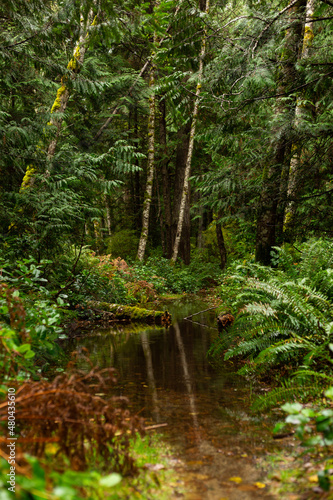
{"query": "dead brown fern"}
pixel 142 290
pixel 87 427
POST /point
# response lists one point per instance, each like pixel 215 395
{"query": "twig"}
pixel 205 310
pixel 155 426
pixel 203 324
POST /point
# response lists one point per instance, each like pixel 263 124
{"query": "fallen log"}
pixel 132 313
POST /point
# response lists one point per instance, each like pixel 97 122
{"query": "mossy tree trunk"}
pixel 301 113
pixel 150 166
pixel 272 179
pixel 62 97
pixel 186 187
pixel 131 313
pixel 75 65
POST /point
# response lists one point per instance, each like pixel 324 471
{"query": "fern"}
pixel 285 317
pixel 288 391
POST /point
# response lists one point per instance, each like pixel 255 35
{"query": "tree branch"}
pixel 271 22
pixel 29 38
pixel 143 69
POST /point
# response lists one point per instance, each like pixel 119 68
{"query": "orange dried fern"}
pixel 86 427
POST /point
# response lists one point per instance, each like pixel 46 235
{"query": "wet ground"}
pixel 168 378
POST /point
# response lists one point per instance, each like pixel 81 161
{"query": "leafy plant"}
pixel 32 482
pixel 29 319
pixel 313 427
pixel 285 318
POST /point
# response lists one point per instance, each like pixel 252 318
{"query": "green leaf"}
pixel 292 408
pixel 279 427
pixel 110 480
pixel 324 480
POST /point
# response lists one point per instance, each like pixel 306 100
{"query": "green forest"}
pixel 151 151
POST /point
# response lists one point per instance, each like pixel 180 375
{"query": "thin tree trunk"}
pixel 142 71
pixel 150 167
pixel 165 180
pixel 295 174
pixel 61 100
pixel 191 146
pixel 221 245
pixel 75 65
pixel 137 191
pixel 108 213
pixel 180 167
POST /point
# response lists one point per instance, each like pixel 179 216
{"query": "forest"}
pixel 151 151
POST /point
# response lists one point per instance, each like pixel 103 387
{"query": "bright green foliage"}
pixel 29 320
pixel 66 486
pixel 313 427
pixel 176 278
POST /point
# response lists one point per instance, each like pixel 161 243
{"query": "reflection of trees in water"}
pixel 150 376
pixel 187 378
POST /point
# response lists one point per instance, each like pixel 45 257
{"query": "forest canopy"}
pixel 176 127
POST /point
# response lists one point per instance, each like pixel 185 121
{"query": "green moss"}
pixel 132 313
pixel 74 62
pixel 308 36
pixel 57 103
pixel 27 177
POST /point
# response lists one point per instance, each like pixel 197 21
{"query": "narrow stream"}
pixel 166 375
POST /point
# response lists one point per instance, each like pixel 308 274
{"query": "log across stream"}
pixel 202 411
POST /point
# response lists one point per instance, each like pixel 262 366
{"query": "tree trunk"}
pixel 186 186
pixel 137 190
pixel 271 195
pixel 221 245
pixel 108 213
pixel 165 181
pixel 150 167
pixel 181 157
pixel 61 100
pixel 295 171
pixel 75 64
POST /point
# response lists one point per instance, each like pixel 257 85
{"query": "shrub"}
pixel 123 243
pixel 284 317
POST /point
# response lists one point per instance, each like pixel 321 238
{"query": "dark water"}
pixel 167 376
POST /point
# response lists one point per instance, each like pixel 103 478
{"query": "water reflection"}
pixel 150 377
pixel 187 378
pixel 167 377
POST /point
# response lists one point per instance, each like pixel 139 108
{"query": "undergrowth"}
pixel 284 321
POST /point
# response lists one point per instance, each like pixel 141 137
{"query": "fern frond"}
pixel 288 391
